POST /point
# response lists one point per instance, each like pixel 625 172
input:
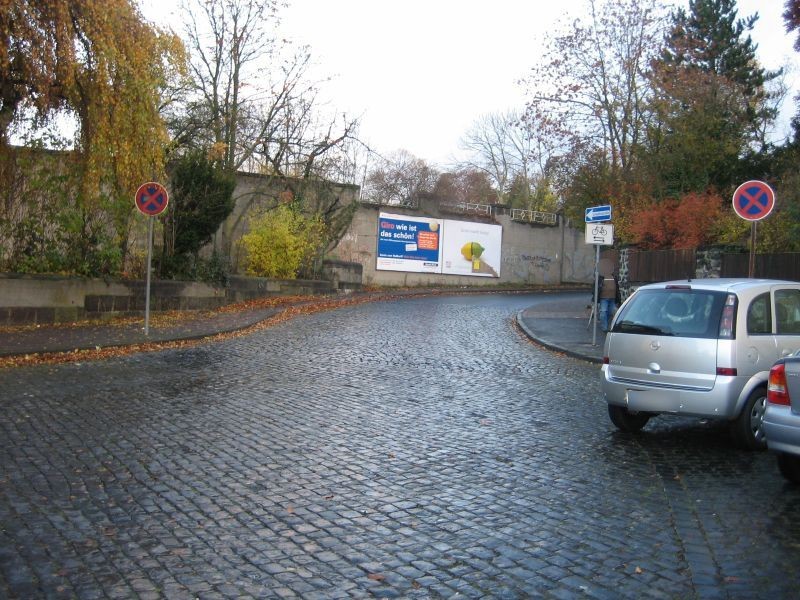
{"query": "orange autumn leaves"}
pixel 696 220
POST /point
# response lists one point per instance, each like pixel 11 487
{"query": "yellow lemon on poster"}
pixel 472 250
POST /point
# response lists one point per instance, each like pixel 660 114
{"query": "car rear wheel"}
pixel 627 421
pixel 789 466
pixel 748 428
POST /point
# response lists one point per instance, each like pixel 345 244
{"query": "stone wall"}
pixel 708 264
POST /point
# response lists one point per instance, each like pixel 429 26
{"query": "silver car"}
pixel 701 347
pixel 782 417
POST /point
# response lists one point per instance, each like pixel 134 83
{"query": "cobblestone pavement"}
pixel 419 448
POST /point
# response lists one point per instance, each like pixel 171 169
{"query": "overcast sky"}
pixel 420 72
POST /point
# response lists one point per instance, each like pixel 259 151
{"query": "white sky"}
pixel 420 72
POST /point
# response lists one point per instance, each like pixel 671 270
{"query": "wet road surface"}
pixel 418 448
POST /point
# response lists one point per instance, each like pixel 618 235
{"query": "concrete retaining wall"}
pixel 532 254
pixel 250 288
pixel 31 299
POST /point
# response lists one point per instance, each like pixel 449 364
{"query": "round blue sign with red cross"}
pixel 151 198
pixel 753 200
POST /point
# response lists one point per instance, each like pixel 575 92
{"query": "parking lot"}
pixel 417 448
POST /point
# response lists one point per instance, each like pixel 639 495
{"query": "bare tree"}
pixel 400 180
pixel 591 88
pixel 229 41
pixel 254 98
pixel 513 151
pixel 257 108
pixel 492 143
pixel 467 185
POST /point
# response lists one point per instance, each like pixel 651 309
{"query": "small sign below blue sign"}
pixel 598 214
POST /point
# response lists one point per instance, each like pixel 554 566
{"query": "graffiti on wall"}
pixel 542 263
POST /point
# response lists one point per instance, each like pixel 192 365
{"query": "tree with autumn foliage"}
pixel 587 108
pixel 695 220
pixel 103 64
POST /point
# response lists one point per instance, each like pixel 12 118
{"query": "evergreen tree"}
pixel 791 16
pixel 712 39
pixel 200 200
pixel 712 104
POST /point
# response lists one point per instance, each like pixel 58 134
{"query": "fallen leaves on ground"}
pixel 293 306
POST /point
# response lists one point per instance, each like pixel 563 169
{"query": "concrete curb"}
pixel 552 345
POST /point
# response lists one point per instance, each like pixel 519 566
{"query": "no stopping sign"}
pixel 151 198
pixel 753 200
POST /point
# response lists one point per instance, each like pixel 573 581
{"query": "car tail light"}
pixel 726 323
pixel 606 361
pixel 777 393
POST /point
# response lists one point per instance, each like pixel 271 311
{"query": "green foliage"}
pixel 88 246
pixel 712 39
pixel 200 200
pixel 214 270
pixel 780 231
pixel 44 226
pixel 281 243
pixel 593 183
pixel 711 104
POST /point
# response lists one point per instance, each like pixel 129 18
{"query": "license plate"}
pixel 652 401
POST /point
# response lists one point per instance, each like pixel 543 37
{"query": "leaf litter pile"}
pixel 289 308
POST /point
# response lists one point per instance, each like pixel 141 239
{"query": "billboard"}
pixel 427 245
pixel 409 244
pixel 471 248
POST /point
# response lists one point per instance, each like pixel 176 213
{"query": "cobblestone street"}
pixel 418 448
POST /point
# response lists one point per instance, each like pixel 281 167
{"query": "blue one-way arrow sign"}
pixel 596 214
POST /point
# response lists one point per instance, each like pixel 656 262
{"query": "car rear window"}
pixel 678 312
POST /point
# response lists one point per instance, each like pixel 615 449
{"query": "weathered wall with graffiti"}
pixel 531 253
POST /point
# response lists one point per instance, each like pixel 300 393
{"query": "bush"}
pixel 189 267
pixel 281 243
pixel 201 200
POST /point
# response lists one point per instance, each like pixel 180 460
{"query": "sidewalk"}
pixel 559 324
pixel 69 337
pixel 564 326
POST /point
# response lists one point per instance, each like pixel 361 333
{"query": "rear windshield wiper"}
pixel 631 327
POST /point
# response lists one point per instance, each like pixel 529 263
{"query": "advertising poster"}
pixel 409 244
pixel 471 249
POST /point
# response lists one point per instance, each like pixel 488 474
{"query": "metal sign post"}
pixel 753 201
pixel 147 285
pixel 151 199
pixel 599 234
pixel 596 292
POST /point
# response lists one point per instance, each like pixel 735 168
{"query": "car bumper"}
pixel 720 402
pixel 782 429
